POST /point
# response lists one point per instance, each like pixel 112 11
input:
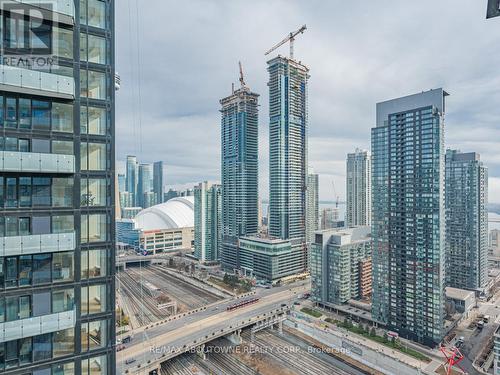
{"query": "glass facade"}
pixel 239 148
pixel 74 285
pixel 466 221
pixel 288 127
pixel 408 226
pixel 207 221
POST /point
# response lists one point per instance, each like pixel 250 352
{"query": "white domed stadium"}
pixel 175 213
pixel 167 226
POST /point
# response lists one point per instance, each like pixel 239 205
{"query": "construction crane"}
pixel 290 38
pixel 242 81
pixel 336 197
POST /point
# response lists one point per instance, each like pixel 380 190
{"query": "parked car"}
pixel 129 361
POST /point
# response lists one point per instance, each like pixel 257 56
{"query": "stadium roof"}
pixel 175 213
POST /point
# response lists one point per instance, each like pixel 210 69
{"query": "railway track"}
pixel 181 365
pixel 292 356
pixel 185 293
pixel 140 305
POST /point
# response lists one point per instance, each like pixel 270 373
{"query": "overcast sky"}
pixel 185 54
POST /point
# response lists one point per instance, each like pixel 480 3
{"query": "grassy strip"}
pixel 393 344
pixel 311 312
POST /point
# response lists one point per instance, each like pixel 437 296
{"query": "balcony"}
pixel 38 325
pixel 12 161
pixel 34 82
pixel 37 243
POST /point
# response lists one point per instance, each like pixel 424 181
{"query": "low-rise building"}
pixel 268 259
pixel 459 300
pixel 341 265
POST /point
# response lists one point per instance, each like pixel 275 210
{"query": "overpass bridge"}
pixel 153 345
pixel 123 261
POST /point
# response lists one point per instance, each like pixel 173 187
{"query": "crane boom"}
pixel 291 39
pixel 242 81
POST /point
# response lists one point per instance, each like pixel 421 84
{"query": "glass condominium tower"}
pixel 358 189
pixel 288 121
pixel 408 217
pixel 131 178
pixel 466 220
pixel 57 251
pixel 239 142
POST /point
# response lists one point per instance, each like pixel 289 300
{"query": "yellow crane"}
pixel 290 38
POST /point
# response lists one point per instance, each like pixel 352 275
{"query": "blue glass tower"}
pixel 288 121
pixel 239 142
pixel 408 217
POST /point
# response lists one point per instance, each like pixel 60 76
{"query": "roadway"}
pixel 150 344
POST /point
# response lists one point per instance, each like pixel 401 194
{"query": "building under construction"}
pixel 239 143
pixel 288 121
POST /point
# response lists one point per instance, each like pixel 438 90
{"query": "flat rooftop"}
pixel 458 294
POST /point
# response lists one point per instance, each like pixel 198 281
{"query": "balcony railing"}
pixel 38 325
pixel 12 161
pixel 66 7
pixel 37 243
pixel 45 84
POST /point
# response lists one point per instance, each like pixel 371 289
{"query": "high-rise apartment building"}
pixel 144 184
pixel 122 183
pixel 466 220
pixel 312 206
pixel 131 177
pixel 341 265
pixel 207 222
pixel 239 143
pixel 158 188
pixel 288 120
pixel 358 188
pixel 408 216
pixel 57 186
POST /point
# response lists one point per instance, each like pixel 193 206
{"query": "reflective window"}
pixel 92 48
pixel 62 147
pixel 24 191
pixel 62 266
pixel 41 115
pixel 42 347
pixel 93 156
pixel 63 224
pixel 64 369
pixel 41 268
pixel 24 113
pixel 62 117
pixel 94 228
pixel 41 191
pixel 93 13
pixel 64 43
pixel 93 192
pixel 95 366
pixel 93 299
pixel 63 342
pixel 10 112
pixel 62 192
pixel 63 300
pixel 93 84
pixel 93 120
pixel 94 263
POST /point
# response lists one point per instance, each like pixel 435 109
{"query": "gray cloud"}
pixel 359 53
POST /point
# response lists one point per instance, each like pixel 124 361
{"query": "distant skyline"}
pixel 359 54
